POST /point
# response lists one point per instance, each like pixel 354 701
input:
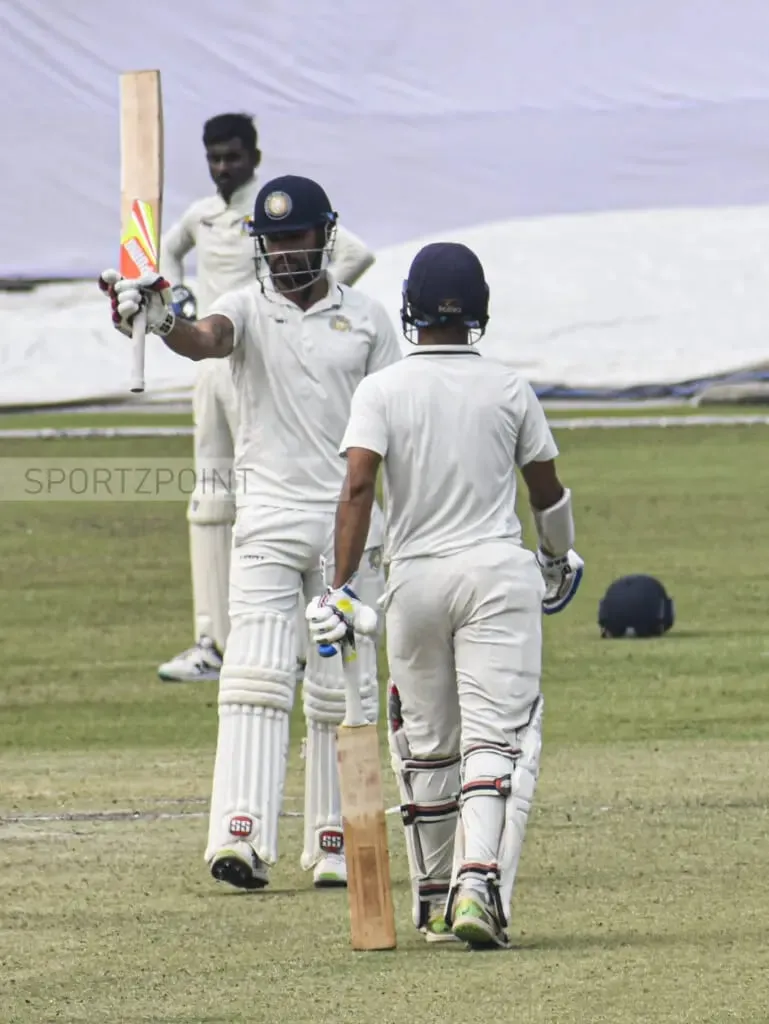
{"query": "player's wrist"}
pixel 165 327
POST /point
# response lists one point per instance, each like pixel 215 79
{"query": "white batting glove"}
pixel 128 295
pixel 335 617
pixel 562 577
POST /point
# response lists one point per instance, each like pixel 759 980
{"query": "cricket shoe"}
pixel 330 872
pixel 200 663
pixel 239 866
pixel 436 929
pixel 476 922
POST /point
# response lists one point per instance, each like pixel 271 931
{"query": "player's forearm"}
pixel 210 338
pixel 353 518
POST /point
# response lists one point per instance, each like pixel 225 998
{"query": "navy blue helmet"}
pixel 635 606
pixel 285 207
pixel 446 285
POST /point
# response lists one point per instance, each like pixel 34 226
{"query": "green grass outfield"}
pixel 643 893
pixel 131 417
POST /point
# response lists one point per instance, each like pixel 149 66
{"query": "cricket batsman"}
pixel 464 598
pixel 217 226
pixel 297 343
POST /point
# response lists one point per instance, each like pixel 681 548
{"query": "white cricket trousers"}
pixel 464 642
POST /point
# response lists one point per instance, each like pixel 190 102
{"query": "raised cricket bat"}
pixel 141 190
pixel 369 890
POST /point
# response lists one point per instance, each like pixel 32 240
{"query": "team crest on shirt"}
pixel 375 558
pixel 246 225
pixel 340 323
pixel 277 205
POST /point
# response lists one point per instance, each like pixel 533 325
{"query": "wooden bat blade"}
pixel 141 189
pixel 369 890
pixel 141 146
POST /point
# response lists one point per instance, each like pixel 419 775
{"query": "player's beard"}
pixel 295 272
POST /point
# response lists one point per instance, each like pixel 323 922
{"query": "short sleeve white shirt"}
pixel 295 373
pixel 451 427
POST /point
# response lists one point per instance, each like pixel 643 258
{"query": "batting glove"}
pixel 562 577
pixel 150 292
pixel 335 617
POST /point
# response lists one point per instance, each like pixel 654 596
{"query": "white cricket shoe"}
pixel 330 872
pixel 476 922
pixel 436 929
pixel 199 663
pixel 239 866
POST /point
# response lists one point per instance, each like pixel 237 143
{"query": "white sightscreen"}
pixel 419 116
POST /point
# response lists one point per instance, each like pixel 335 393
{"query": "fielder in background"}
pixel 299 344
pixel 217 227
pixel 464 598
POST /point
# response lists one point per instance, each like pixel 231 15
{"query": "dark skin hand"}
pixel 353 512
pixel 231 165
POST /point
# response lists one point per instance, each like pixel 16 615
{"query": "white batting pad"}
pixel 498 789
pixel 322 800
pixel 259 662
pixel 210 547
pixel 249 775
pixel 429 791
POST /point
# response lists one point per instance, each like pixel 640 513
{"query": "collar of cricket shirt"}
pixel 448 350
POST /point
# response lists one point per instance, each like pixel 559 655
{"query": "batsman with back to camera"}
pixel 464 598
pixel 216 227
pixel 299 343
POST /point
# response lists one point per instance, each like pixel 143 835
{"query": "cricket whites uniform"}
pixel 294 374
pixel 218 231
pixel 463 606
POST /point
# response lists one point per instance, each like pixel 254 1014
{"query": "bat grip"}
pixel 139 335
pixel 354 713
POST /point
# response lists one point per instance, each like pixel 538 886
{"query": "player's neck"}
pixel 228 195
pixel 309 296
pixel 442 336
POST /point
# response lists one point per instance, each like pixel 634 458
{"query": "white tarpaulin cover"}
pixel 421 119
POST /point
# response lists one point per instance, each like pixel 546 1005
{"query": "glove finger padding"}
pixel 108 281
pixel 129 295
pixel 562 578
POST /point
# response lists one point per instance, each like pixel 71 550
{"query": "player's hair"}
pixel 225 127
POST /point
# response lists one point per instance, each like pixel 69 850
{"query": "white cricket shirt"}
pixel 225 250
pixel 295 373
pixel 451 426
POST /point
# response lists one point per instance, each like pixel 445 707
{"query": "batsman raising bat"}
pixel 216 227
pixel 464 598
pixel 297 343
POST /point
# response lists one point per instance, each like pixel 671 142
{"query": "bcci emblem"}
pixel 340 323
pixel 277 205
pixel 246 226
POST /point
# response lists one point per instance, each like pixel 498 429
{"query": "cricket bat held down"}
pixel 372 917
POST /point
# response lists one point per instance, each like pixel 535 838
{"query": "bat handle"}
pixel 139 335
pixel 354 713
